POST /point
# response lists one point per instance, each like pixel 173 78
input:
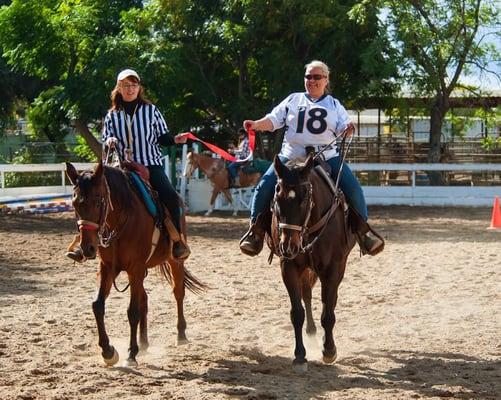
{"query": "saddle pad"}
pixel 145 194
pixel 257 165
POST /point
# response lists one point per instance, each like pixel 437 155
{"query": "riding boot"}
pixel 251 243
pixel 180 249
pixel 368 239
pixel 75 251
pixel 370 243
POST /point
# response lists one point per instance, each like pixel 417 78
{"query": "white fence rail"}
pixel 411 194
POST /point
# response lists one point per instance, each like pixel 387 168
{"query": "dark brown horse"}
pixel 217 173
pixel 310 235
pixel 115 223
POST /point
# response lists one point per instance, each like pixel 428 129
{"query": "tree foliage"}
pixel 439 42
pixel 206 64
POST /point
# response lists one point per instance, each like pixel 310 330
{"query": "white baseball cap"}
pixel 126 73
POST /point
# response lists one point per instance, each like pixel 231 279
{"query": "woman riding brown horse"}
pixel 115 223
pixel 309 234
pixel 217 173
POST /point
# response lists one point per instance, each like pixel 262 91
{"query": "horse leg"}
pixel 134 313
pixel 290 276
pixel 179 291
pixel 329 300
pixel 143 323
pixel 110 355
pixel 213 196
pixel 306 286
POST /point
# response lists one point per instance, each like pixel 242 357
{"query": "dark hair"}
pixel 117 101
pixel 242 131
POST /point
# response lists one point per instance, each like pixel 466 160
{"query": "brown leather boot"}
pixel 370 244
pixel 76 254
pixel 180 250
pixel 251 243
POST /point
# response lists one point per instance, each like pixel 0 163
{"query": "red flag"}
pixel 223 153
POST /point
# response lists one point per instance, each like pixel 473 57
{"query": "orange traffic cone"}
pixel 496 215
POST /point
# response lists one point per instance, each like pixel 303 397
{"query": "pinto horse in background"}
pixel 216 171
pixel 115 223
pixel 309 233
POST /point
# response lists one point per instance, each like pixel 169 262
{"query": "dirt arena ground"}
pixel 420 320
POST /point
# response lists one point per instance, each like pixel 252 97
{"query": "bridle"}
pixel 104 234
pixel 303 228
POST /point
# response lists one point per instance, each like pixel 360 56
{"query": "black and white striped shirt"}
pixel 147 126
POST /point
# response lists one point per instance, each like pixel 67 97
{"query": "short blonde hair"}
pixel 319 64
pixel 325 70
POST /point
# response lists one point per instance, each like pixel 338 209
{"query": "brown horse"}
pixel 115 223
pixel 310 235
pixel 217 173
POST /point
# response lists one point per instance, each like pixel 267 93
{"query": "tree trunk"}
pixel 83 129
pixel 437 113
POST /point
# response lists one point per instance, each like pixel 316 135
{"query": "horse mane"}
pixel 119 185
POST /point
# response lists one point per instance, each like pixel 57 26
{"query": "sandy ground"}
pixel 421 320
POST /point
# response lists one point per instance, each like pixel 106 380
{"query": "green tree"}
pixel 217 62
pixel 439 43
pixel 74 48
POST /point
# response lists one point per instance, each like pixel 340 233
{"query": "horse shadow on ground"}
pixel 38 224
pixel 418 374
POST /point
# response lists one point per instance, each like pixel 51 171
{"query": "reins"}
pixel 321 224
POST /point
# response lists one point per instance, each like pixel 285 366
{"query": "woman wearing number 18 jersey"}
pixel 311 119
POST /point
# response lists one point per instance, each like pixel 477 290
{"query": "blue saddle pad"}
pixel 145 194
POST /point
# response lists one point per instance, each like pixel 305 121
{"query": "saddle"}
pixel 163 220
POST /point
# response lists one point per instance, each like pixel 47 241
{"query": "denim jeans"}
pixel 265 189
pixel 166 192
pixel 233 169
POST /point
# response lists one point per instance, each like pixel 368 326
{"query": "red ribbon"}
pixel 224 154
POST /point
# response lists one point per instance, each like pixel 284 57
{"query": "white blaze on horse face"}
pixel 291 194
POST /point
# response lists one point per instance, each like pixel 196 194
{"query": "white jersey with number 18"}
pixel 309 122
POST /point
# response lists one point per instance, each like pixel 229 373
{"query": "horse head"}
pixel 292 204
pixel 90 201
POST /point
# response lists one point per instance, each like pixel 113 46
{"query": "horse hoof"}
pixel 300 368
pixel 182 341
pixel 130 363
pixel 329 359
pixel 113 360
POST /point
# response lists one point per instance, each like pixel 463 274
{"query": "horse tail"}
pixel 191 282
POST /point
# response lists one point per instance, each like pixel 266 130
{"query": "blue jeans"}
pixel 265 189
pixel 233 169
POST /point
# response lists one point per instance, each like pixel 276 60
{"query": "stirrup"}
pixel 370 244
pixel 251 243
pixel 180 250
pixel 76 255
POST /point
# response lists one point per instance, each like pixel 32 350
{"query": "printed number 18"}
pixel 315 114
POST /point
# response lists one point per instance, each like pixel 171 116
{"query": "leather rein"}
pixel 303 229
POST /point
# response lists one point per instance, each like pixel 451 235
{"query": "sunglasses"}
pixel 132 86
pixel 315 77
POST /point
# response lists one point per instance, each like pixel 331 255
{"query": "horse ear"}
pixel 279 167
pixel 72 173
